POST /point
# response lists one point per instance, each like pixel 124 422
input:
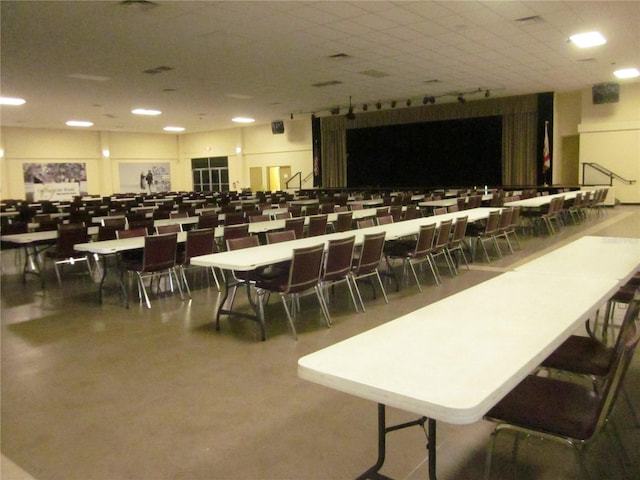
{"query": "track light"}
pixel 393 104
pixel 425 100
pixel 461 98
pixel 487 94
pixel 350 115
pixel 378 105
pixel 365 107
pixel 335 111
pixel 408 102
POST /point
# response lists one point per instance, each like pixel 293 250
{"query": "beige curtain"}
pixel 519 135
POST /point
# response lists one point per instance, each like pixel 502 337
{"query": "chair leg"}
pixel 384 294
pixel 355 284
pixel 415 275
pixel 289 318
pixel 323 305
pixel 184 280
pixel 353 298
pixel 215 277
pixel 143 290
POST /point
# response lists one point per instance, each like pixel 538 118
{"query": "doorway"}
pixel 278 177
pixel 255 179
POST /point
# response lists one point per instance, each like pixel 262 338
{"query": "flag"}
pixel 546 155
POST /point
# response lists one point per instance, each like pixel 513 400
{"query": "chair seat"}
pixel 550 405
pixel 581 355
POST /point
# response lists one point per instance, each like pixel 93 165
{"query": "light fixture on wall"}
pixel 106 153
pixel 238 150
pixel 378 105
pixel 408 102
pixel 393 104
pixel 487 94
pixel 461 98
pixel 365 107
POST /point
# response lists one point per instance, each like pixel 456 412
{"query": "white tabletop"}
pixel 367 203
pixel 250 258
pixel 35 237
pixel 455 359
pixel 107 247
pixel 535 202
pixel 616 258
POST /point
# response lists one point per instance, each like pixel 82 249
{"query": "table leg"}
pixel 257 317
pixel 32 263
pixel 373 473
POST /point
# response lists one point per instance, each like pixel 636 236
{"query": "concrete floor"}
pixel 99 392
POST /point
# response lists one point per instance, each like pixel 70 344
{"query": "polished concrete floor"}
pixel 99 392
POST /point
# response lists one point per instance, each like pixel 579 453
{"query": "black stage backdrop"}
pixel 465 152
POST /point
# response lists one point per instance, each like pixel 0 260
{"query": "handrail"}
pixel 605 171
pixel 301 180
pixel 298 174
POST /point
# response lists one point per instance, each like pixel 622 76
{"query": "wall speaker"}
pixel 277 127
pixel 605 93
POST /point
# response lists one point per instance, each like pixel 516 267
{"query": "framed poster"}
pixel 54 181
pixel 145 177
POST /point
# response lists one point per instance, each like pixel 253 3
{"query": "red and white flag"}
pixel 546 155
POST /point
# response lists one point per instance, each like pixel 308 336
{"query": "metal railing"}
pixel 592 168
pixel 300 179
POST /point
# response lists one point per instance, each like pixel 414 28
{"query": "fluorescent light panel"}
pixel 12 101
pixel 145 111
pixel 79 123
pixel 627 73
pixel 588 39
pixel 243 120
pixel 174 129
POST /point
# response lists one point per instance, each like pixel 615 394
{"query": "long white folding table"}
pixel 455 359
pixel 30 242
pixel 249 259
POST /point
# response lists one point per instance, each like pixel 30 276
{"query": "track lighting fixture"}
pixel 350 115
pixel 378 105
pixel 393 104
pixel 365 107
pixel 461 98
pixel 408 102
pixel 487 94
pixel 292 116
pixel 335 111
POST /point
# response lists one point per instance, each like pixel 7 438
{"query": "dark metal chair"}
pixel 337 265
pixel 158 258
pixel 566 412
pixel 413 252
pixel 367 262
pixel 303 278
pixel 63 252
pixel 296 224
pixel 344 221
pixel 199 242
pixel 317 225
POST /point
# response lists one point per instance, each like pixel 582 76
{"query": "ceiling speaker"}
pixel 605 93
pixel 277 127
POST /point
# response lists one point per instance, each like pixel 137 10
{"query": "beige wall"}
pixel 259 147
pixel 610 136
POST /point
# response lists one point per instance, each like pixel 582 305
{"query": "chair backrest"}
pixel 505 220
pixel 411 212
pixel 625 348
pixel 338 259
pixel 173 228
pixel 106 233
pixel 234 218
pixel 14 228
pixel 311 210
pixel 371 254
pixel 515 217
pixel 258 218
pixel 440 211
pixel 384 219
pixel 70 234
pixel 492 222
pixel 295 210
pixel 425 240
pixel 341 208
pixel 317 225
pixel 343 223
pixel 461 203
pixel 366 223
pixel 453 209
pixel 208 220
pixel 459 230
pixel 305 268
pixel 242 242
pixel 147 224
pixel 444 232
pixel 199 242
pixel 356 206
pixel 283 216
pixel 180 214
pixel 235 231
pixel 327 208
pixel 132 232
pixel 283 236
pixel 159 252
pixel 295 224
pixel 396 213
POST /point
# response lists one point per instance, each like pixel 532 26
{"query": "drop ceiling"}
pixel 204 62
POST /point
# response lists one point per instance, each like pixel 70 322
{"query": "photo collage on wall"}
pixel 54 181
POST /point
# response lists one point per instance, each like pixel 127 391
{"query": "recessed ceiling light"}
pixel 145 111
pixel 173 129
pixel 627 73
pixel 588 39
pixel 79 123
pixel 12 101
pixel 243 120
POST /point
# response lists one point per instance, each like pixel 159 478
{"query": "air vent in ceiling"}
pixel 327 84
pixel 433 80
pixel 586 60
pixel 374 73
pixel 160 69
pixel 529 20
pixel 339 55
